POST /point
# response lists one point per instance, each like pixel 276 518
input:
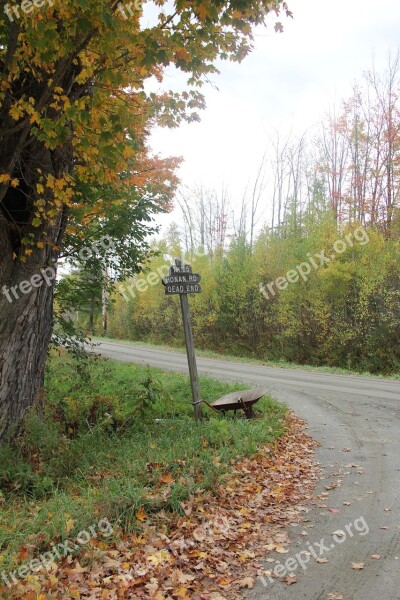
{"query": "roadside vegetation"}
pixel 115 441
pixel 344 316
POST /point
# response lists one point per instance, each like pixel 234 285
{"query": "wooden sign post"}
pixel 182 281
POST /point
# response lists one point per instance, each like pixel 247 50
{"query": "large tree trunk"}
pixel 25 332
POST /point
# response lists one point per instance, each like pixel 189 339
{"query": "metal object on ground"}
pixel 243 400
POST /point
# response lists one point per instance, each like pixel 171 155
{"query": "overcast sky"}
pixel 288 82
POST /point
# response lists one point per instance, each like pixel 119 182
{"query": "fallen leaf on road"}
pixel 339 533
pixel 376 556
pixel 321 560
pixel 357 566
pixel 247 582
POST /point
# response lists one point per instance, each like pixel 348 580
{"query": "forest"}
pixel 318 190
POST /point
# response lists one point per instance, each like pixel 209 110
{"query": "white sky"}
pixel 288 82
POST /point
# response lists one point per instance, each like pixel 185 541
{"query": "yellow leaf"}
pixel 4 177
pixel 53 580
pixel 70 524
pixel 35 118
pixel 14 183
pixel 16 112
pixel 182 54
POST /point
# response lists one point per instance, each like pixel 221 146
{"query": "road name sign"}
pixel 179 278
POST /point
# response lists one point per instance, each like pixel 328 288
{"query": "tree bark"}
pixel 25 333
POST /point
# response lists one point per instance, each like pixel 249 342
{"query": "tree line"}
pixel 317 190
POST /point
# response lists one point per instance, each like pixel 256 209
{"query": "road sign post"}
pixel 191 356
pixel 182 281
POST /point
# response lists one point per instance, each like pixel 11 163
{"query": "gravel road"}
pixel 357 422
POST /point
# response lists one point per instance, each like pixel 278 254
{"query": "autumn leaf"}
pixel 183 593
pixel 247 582
pixel 339 533
pixel 357 566
pixel 69 525
pixel 141 515
pixel 167 478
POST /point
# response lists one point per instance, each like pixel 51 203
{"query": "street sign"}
pixel 181 278
pixel 180 269
pixel 182 288
pixel 182 281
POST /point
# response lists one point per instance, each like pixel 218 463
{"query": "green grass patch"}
pixel 113 438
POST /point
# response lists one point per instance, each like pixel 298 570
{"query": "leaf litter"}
pixel 212 550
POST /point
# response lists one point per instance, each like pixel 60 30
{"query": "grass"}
pixel 115 439
pixel 255 361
